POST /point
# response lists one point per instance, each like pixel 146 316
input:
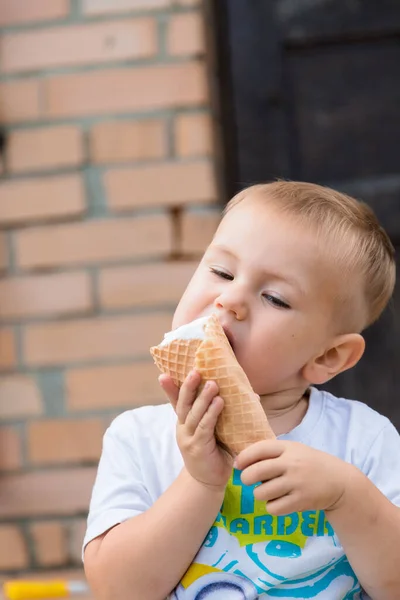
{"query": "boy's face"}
pixel 272 289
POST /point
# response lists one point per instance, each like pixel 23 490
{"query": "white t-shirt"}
pixel 249 553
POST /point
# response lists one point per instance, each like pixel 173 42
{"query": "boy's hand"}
pixel 293 476
pixel 197 417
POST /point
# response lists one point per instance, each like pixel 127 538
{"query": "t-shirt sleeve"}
pixel 382 465
pixel 119 492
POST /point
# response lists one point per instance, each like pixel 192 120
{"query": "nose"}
pixel 233 301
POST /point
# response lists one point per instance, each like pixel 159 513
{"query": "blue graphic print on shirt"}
pixel 249 553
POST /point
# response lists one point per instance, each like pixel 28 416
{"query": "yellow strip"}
pixel 28 590
pixel 195 571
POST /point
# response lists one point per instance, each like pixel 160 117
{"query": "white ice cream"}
pixel 190 331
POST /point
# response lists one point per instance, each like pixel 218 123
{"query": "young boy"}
pixel 295 272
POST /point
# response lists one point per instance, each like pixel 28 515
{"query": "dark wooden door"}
pixel 310 90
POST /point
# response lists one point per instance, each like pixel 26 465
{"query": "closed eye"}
pixel 275 301
pixel 221 274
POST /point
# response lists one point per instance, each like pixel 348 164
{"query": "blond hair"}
pixel 359 243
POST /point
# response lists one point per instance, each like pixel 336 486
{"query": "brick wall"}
pixel 107 199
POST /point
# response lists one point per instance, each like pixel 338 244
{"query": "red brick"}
pixel 21 11
pixel 144 285
pixel 44 148
pixel 19 101
pixel 50 543
pixel 3 253
pixel 94 242
pixel 56 441
pixel 94 339
pixel 193 135
pixel 117 141
pixel 13 551
pixel 7 349
pixel 198 230
pixel 169 184
pixel 43 295
pixel 75 574
pixel 10 449
pixel 78 45
pixel 185 34
pixel 76 535
pixel 116 386
pixel 19 397
pixel 45 198
pixel 103 7
pixel 127 89
pixel 58 492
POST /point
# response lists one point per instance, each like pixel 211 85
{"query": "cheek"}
pixel 190 304
pixel 184 313
pixel 279 345
pixel 181 317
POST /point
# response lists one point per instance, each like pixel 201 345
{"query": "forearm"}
pixel 146 556
pixel 368 527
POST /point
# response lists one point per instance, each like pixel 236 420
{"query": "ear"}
pixel 343 353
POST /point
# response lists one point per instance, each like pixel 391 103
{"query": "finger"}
pixel 187 395
pixel 273 489
pixel 282 506
pixel 264 470
pixel 259 451
pixel 206 427
pixel 170 388
pixel 200 406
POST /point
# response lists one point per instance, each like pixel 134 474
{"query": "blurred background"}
pixel 125 125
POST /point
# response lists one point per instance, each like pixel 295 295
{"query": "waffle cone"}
pixel 242 421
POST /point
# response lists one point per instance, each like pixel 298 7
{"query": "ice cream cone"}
pixel 242 421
